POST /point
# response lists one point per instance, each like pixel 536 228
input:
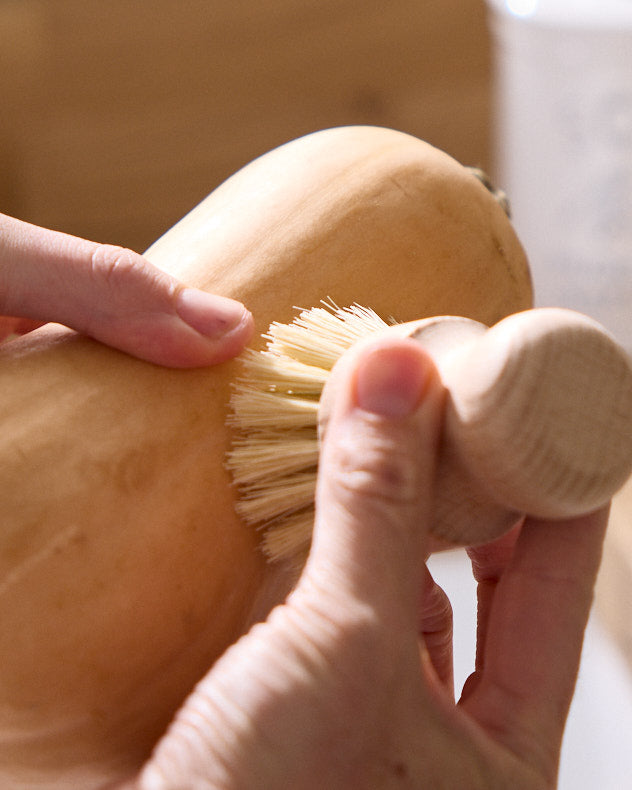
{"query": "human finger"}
pixel 376 478
pixel 534 637
pixel 436 631
pixel 115 296
pixel 489 562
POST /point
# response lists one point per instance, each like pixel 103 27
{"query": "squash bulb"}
pixel 124 571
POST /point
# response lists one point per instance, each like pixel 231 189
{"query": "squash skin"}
pixel 124 571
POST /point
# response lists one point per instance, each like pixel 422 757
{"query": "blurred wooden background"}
pixel 117 117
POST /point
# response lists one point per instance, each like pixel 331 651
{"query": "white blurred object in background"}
pixel 563 92
pixel 596 754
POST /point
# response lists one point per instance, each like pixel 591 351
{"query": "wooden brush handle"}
pixel 538 419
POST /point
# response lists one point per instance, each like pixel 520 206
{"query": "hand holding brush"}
pixel 333 690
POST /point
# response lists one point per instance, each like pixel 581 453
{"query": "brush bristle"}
pixel 274 455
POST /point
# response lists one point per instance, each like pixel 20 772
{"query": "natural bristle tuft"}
pixel 274 456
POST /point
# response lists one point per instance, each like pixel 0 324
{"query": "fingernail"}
pixel 391 381
pixel 211 315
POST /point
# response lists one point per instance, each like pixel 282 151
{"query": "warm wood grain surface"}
pixel 538 419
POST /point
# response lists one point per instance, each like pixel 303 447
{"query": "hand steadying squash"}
pixel 113 295
pixel 125 571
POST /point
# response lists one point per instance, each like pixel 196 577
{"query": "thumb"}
pixel 374 493
pixel 115 296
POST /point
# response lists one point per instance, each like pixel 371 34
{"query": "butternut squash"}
pixel 124 569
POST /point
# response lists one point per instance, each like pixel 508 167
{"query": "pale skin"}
pixel 348 683
pixel 113 295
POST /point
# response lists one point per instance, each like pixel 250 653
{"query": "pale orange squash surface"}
pixel 124 571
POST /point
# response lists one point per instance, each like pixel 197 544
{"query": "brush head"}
pixel 275 413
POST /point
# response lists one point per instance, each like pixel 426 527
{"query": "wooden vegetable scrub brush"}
pixel 538 420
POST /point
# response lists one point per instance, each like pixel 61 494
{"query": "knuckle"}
pixel 377 466
pixel 112 265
